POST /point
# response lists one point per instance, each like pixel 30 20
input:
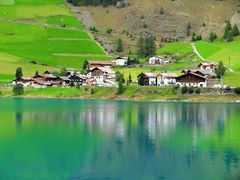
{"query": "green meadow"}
pixel 227 52
pixel 48 34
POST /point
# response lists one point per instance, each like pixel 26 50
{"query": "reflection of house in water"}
pixel 161 119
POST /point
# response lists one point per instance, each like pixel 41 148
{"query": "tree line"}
pixel 92 2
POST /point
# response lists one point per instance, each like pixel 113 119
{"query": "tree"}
pixel 141 79
pixel 235 30
pixel 18 89
pixel 237 90
pixel 146 46
pixel 129 81
pixel 161 10
pixel 120 77
pixel 193 36
pixel 230 36
pixel 140 47
pixel 198 90
pixel 119 47
pixel 19 73
pixel 189 27
pixel 228 28
pixel 120 89
pixel 184 89
pixel 220 70
pixel 63 72
pixel 36 73
pixel 150 46
pixel 190 90
pixel 212 36
pixel 85 65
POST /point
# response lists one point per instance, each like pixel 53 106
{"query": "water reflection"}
pixel 118 140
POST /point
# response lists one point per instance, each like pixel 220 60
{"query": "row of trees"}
pixel 146 46
pixel 93 2
pixel 230 31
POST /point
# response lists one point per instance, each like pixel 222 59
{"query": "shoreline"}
pixel 140 94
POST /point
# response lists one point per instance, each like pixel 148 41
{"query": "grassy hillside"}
pixel 44 31
pixel 144 16
pixel 228 52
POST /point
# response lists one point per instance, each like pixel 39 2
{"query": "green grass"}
pixel 228 52
pixel 56 47
pixel 64 20
pixel 176 48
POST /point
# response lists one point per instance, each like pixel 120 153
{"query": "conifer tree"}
pixel 235 30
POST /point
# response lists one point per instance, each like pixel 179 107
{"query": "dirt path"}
pixel 40 24
pixel 79 55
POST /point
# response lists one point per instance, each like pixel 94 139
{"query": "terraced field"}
pixel 45 32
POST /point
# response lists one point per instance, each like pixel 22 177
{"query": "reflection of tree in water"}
pixel 147 140
pixel 19 118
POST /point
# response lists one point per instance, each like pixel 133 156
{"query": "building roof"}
pixel 24 78
pixel 151 75
pixel 46 76
pixel 202 71
pixel 50 72
pixel 125 58
pixel 206 64
pixel 100 62
pixel 104 69
pixel 64 78
pixel 191 73
pixel 169 75
pixel 70 69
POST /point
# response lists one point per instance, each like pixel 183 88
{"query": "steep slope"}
pixel 143 16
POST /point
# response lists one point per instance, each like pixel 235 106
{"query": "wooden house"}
pixel 78 79
pixel 191 79
pixel 149 79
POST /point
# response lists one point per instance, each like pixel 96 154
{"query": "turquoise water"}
pixel 83 139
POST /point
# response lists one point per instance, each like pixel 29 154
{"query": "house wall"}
pixel 152 81
pixel 166 81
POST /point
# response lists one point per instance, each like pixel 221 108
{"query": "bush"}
pixel 190 90
pixel 198 91
pixel 237 90
pixel 184 90
pixel 92 91
pixel 228 88
pixel 18 89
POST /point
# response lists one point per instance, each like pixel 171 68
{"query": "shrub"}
pixel 237 90
pixel 198 91
pixel 18 89
pixel 184 90
pixel 190 90
pixel 228 88
pixel 92 91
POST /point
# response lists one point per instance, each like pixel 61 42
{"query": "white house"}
pixel 166 79
pixel 207 66
pixel 158 60
pixel 120 61
pixel 101 73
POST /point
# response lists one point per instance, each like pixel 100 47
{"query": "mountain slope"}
pixel 143 16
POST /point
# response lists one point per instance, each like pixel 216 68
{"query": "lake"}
pixel 88 139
